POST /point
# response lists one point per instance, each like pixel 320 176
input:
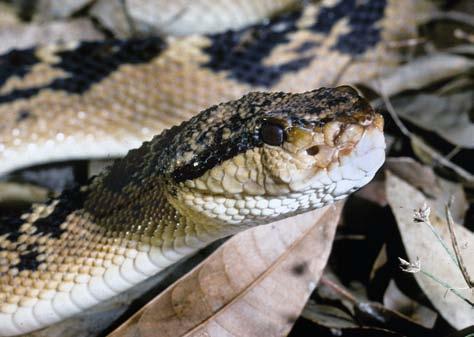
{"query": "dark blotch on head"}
pixel 300 268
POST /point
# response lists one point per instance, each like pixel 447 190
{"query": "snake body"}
pixel 100 99
pixel 243 163
pixel 250 161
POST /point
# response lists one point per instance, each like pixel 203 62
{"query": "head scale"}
pixel 271 155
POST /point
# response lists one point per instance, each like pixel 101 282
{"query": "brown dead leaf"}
pixel 374 192
pixel 439 191
pixel 421 243
pixel 447 115
pixel 430 156
pixel 256 284
pixel 394 299
pixel 341 308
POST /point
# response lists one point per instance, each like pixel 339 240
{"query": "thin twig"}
pixel 457 251
pixel 338 289
pixel 436 157
pixel 393 113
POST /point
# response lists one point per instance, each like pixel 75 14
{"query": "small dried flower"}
pixel 422 214
pixel 410 267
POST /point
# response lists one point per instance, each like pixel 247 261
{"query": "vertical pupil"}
pixel 272 134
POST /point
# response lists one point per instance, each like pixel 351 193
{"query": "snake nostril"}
pixel 313 150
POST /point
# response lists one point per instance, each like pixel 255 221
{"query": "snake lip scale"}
pixel 207 178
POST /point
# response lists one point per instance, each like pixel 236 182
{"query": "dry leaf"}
pixel 329 316
pixel 430 156
pixel 394 299
pixel 341 308
pixel 439 191
pixel 374 192
pixel 448 115
pixel 420 243
pixel 256 284
pixel 185 17
pixel 421 72
pixel 21 36
pixel 58 9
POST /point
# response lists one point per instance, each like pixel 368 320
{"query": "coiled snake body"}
pixel 251 161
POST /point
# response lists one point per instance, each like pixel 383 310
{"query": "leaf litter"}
pixel 427 104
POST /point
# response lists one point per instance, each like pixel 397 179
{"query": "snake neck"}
pixel 148 214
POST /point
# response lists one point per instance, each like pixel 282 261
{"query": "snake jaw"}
pixel 270 182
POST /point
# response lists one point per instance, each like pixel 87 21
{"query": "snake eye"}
pixel 272 134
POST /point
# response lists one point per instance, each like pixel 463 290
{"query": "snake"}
pixel 281 149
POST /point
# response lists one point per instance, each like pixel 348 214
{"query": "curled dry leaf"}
pixel 421 243
pixel 185 17
pixel 21 36
pixel 448 115
pixel 256 284
pixel 112 14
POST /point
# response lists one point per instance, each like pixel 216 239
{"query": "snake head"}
pixel 272 155
pixel 337 146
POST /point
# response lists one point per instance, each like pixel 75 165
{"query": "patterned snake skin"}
pixel 263 157
pixel 101 99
